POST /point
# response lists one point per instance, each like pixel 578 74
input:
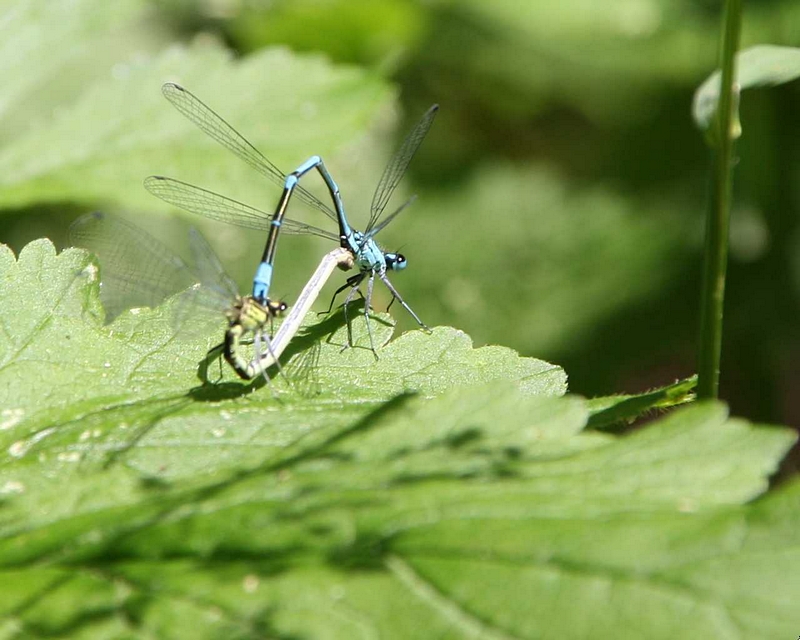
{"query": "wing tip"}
pixel 170 86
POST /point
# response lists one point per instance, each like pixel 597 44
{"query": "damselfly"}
pixel 340 258
pixel 370 259
pixel 138 270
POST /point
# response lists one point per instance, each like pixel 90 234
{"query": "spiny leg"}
pixel 257 348
pixel 403 302
pixel 367 305
pixel 219 360
pixel 219 347
pixel 352 281
pixel 347 301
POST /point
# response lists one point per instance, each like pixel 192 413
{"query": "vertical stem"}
pixel 716 249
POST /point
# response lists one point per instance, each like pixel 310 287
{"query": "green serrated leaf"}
pixel 115 389
pixel 137 503
pixel 436 511
pixel 760 66
pixel 629 575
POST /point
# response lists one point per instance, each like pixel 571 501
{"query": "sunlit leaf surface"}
pixel 442 491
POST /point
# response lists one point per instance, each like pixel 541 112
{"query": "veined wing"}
pixel 209 268
pixel 217 289
pixel 397 166
pixel 136 269
pixel 303 370
pixel 385 222
pixel 215 126
pixel 218 207
pixel 301 228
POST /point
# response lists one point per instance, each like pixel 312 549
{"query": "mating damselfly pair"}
pixel 254 314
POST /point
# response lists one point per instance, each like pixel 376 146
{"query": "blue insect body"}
pixel 368 257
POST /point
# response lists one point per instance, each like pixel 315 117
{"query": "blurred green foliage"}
pixel 562 188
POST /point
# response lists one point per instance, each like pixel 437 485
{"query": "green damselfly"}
pixel 138 270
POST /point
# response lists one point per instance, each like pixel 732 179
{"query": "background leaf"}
pixel 533 220
pixel 764 65
pixel 38 78
pixel 107 142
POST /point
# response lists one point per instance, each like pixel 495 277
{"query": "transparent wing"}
pixel 300 228
pixel 209 268
pixel 221 208
pixel 206 203
pixel 196 306
pixel 214 126
pixel 377 228
pixel 303 371
pixel 397 166
pixel 136 269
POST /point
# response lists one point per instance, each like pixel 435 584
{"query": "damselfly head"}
pixel 395 261
pixel 276 307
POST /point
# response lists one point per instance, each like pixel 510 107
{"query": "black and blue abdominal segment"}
pixel 367 256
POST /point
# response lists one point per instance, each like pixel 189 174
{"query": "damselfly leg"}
pixel 366 254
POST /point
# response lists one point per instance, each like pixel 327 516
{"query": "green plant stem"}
pixel 718 222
